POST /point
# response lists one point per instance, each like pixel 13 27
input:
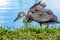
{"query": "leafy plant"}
pixel 30 33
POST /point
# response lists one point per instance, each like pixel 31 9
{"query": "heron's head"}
pixel 20 15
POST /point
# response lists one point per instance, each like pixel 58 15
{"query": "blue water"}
pixel 9 12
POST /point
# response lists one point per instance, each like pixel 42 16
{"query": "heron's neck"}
pixel 24 14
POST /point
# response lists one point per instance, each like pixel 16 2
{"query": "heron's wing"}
pixel 44 17
pixel 48 11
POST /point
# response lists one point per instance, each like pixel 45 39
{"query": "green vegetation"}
pixel 30 33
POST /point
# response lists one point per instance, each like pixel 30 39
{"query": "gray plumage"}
pixel 38 13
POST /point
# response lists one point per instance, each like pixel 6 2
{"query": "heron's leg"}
pixel 41 25
pixel 47 26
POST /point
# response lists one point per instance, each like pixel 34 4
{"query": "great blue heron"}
pixel 29 19
pixel 31 9
pixel 39 14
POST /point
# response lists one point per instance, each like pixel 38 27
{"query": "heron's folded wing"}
pixel 42 18
pixel 48 11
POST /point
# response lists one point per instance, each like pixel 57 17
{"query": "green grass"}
pixel 30 33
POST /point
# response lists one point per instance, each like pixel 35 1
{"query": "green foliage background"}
pixel 30 33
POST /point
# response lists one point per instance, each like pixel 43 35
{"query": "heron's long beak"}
pixel 17 19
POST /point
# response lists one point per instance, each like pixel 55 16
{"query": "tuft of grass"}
pixel 30 33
